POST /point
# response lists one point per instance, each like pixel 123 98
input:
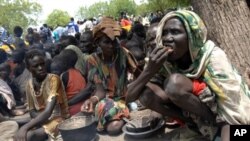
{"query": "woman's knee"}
pixel 30 135
pixel 36 135
pixel 177 86
pixel 115 127
pixel 146 97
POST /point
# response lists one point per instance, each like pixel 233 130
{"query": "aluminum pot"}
pixel 141 125
pixel 81 128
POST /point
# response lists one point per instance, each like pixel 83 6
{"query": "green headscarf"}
pixel 199 47
pixel 210 64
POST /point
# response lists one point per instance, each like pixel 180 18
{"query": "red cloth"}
pixel 125 22
pixel 75 84
pixel 198 87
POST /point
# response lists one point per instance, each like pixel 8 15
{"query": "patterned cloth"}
pixel 50 87
pixel 113 78
pixel 126 24
pixel 108 109
pixel 211 65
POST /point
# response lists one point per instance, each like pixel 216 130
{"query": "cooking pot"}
pixel 141 125
pixel 145 134
pixel 81 128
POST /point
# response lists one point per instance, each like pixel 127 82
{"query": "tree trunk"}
pixel 228 23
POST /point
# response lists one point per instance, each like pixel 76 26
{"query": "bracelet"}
pixel 97 98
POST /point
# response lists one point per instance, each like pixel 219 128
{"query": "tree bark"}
pixel 228 23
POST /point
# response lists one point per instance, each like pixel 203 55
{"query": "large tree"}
pixel 118 6
pixel 163 5
pixel 93 10
pixel 58 18
pixel 142 9
pixel 18 12
pixel 228 23
pixel 111 8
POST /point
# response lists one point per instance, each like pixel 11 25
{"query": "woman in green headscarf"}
pixel 200 85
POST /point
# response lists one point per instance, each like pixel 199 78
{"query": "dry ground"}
pixel 164 134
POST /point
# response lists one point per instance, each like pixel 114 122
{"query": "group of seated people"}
pixel 172 69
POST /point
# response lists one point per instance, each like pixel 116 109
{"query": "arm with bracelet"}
pixel 89 105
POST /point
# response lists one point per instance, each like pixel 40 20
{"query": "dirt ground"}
pixel 157 136
pixel 163 134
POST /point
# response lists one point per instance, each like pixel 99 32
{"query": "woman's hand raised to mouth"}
pixel 157 58
pixel 169 49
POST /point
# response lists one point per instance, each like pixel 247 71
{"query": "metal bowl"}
pixel 81 128
pixel 141 135
pixel 138 126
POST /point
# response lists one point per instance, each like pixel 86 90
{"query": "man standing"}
pixel 72 28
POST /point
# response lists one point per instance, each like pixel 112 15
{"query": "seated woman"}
pixel 7 101
pixel 107 70
pixel 46 99
pixel 21 76
pixel 9 89
pixel 200 85
pixel 75 85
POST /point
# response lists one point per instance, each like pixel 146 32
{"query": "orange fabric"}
pixel 125 22
pixel 198 87
pixel 76 83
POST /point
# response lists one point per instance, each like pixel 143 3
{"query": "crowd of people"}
pixel 169 67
